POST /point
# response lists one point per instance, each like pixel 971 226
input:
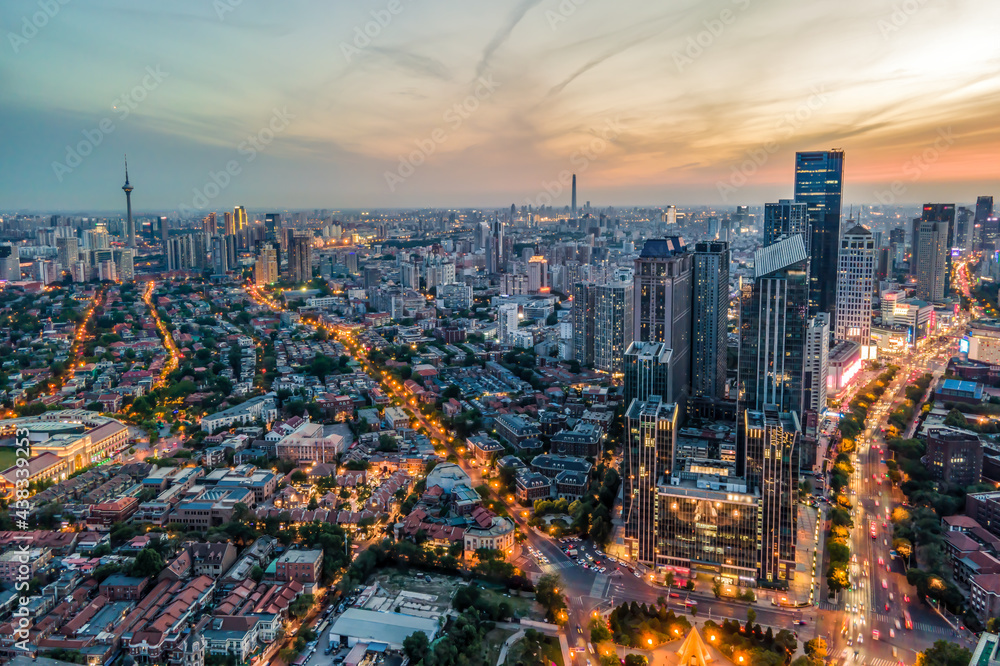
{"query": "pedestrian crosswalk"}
pixel 850 655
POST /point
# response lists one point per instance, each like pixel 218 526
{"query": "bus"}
pixel 907 621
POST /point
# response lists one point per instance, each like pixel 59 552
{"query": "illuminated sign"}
pixel 963 345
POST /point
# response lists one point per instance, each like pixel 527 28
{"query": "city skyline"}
pixel 647 105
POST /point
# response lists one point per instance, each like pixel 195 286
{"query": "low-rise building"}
pixel 261 408
pixel 954 455
pixel 532 486
pixel 584 441
pixel 299 565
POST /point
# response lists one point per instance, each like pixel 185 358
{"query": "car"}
pixel 590 557
pixel 906 598
pixel 890 596
pixel 850 642
pixel 854 557
pixel 637 574
pixel 875 634
pixel 876 501
pixel 881 561
pixel 861 639
pixel 674 595
pixel 892 633
pixel 579 630
pixel 887 608
pixel 801 622
pixel 885 584
pixel 898 626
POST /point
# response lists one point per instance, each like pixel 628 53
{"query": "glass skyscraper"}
pixel 819 183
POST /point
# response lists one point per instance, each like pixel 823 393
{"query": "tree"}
pixel 751 616
pixel 147 563
pixel 298 476
pixel 635 660
pixel 415 646
pixel 256 573
pixel 944 653
pixel 816 648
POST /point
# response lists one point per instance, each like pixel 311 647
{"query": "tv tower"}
pixel 130 228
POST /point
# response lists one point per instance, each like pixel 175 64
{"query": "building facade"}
pixel 710 325
pixel 855 287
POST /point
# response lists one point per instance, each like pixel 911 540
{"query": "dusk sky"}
pixel 648 102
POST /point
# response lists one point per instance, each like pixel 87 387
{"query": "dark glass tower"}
pixel 710 326
pixel 773 322
pixel 819 183
pixel 784 219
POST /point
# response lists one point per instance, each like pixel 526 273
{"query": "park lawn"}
pixel 494 641
pixel 8 457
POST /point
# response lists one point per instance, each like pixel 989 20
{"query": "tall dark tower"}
pixel 819 179
pixel 573 214
pixel 130 225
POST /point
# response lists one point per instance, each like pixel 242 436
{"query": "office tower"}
pixel 819 180
pixel 663 304
pixel 855 286
pixel 943 213
pixel 240 218
pixel 300 267
pixel 164 246
pixel 208 224
pixel 106 271
pixel 507 321
pixel 931 248
pixel 80 271
pixel 816 366
pixel 228 224
pixel 538 274
pixel 272 222
pixel 584 303
pixel 647 370
pixel 772 464
pixel 670 216
pixel 352 263
pixel 651 432
pixel 130 223
pixel 409 275
pixel 710 327
pixel 220 255
pixel 573 213
pixel 46 272
pixel 785 218
pixel 96 239
pixel 200 246
pixel 613 303
pixel 883 263
pixel 372 277
pixel 964 225
pixel 68 252
pixel 986 224
pixel 10 263
pixel 773 318
pixel 495 247
pixel 266 267
pixel 125 264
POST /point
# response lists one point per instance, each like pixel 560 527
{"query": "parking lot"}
pixel 588 556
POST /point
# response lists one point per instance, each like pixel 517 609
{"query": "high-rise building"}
pixel 46 271
pixel 300 267
pixel 647 371
pixel 943 213
pixel 129 223
pixel 240 218
pixel 786 218
pixel 496 258
pixel 772 465
pixel 220 255
pixel 986 229
pixel 228 224
pixel 272 222
pixel 819 181
pixel 773 317
pixel 584 302
pixel 573 209
pixel 10 263
pixel 507 322
pixel 266 267
pixel 663 304
pixel 710 325
pixel 964 226
pixel 613 304
pixel 208 224
pixel 816 364
pixel 855 287
pixel 931 250
pixel 538 274
pixel 67 252
pixel 650 435
pixel 125 264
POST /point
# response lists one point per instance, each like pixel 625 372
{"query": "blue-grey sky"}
pixel 392 103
